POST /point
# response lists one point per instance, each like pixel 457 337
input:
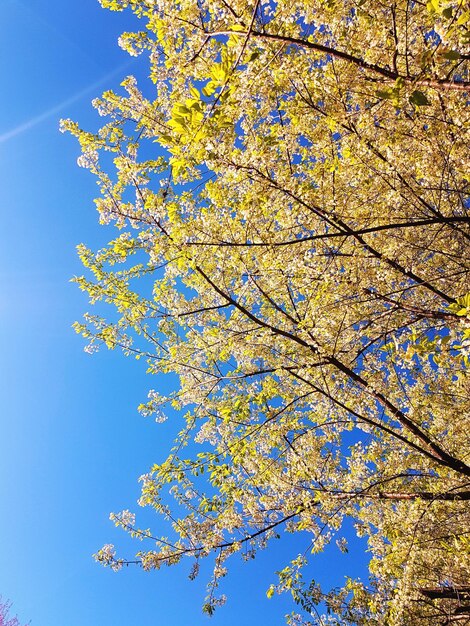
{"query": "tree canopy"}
pixel 292 189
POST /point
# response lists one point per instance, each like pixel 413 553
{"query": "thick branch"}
pixel 418 495
pixel 351 233
pixel 391 75
pixel 436 593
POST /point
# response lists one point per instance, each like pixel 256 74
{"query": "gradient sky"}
pixel 72 444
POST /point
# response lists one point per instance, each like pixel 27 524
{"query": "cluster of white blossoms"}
pixel 124 518
pixel 154 407
pixel 91 348
pixel 102 106
pixel 107 557
pixel 88 159
pixel 65 125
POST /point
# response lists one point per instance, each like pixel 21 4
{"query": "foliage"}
pixel 296 191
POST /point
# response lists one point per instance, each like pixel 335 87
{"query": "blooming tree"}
pixel 297 192
pixel 5 620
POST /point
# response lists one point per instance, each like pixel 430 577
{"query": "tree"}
pixel 5 620
pixel 304 225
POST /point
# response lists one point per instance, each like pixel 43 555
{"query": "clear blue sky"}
pixel 71 442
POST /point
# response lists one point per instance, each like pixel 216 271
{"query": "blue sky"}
pixel 72 442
